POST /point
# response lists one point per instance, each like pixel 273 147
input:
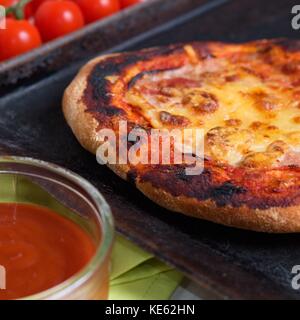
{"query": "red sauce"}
pixel 39 249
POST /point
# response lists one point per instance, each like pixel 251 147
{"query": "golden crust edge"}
pixel 272 220
pixel 82 124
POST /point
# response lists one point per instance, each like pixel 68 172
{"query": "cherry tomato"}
pixel 18 37
pixel 28 7
pixel 128 3
pixel 96 9
pixel 57 18
pixel 35 4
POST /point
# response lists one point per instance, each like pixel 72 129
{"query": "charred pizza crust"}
pixel 256 189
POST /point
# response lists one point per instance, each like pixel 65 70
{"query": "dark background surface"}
pixel 232 263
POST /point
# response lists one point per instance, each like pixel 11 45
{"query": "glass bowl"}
pixel 26 180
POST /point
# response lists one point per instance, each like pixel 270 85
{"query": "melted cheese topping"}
pixel 249 109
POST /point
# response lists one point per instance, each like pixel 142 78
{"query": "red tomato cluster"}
pixel 29 23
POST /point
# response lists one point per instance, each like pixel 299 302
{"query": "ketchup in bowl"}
pixel 39 249
pixel 56 233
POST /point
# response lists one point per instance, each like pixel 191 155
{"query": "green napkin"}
pixel 137 275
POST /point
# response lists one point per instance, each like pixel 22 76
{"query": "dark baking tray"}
pixel 230 263
pixel 96 37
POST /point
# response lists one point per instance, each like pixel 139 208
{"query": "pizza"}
pixel 244 97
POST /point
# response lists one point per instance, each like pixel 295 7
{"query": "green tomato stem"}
pixel 18 9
